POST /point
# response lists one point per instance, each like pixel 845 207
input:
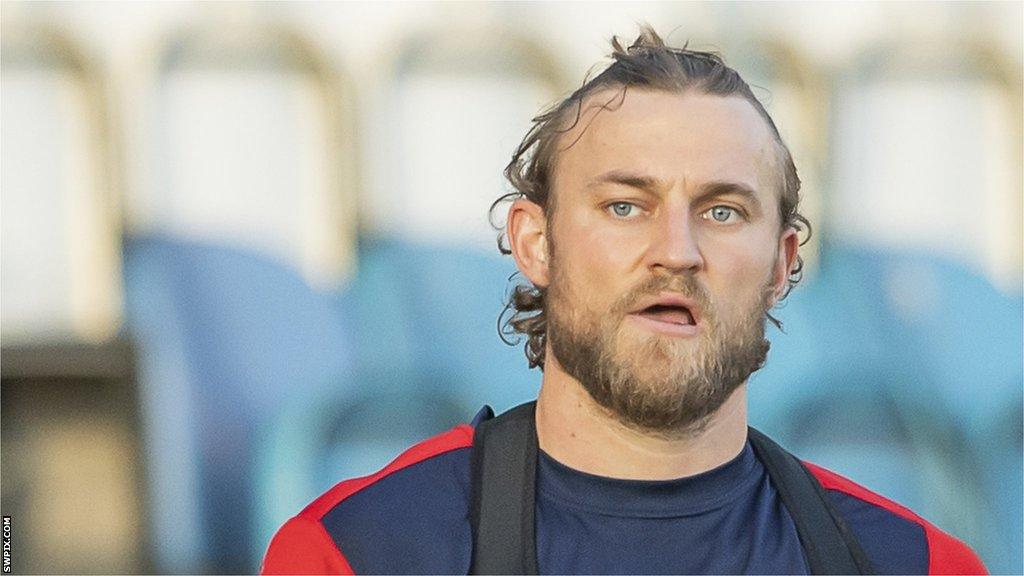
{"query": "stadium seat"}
pixel 963 338
pixel 225 335
pixel 843 388
pixel 1002 474
pixel 458 295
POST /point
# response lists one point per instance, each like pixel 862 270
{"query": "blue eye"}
pixel 622 209
pixel 720 213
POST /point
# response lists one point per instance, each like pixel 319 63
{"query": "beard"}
pixel 657 384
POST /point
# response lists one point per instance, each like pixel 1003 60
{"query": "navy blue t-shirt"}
pixel 728 520
pixel 413 517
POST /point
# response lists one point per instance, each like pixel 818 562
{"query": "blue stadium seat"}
pixel 843 387
pixel 971 339
pixel 966 342
pixel 967 336
pixel 831 327
pixel 903 450
pixel 225 336
pixel 1001 469
pixel 960 336
pixel 458 296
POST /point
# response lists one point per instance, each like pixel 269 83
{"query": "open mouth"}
pixel 668 314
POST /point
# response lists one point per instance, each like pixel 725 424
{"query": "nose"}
pixel 674 244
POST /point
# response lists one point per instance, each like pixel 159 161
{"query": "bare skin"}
pixel 680 146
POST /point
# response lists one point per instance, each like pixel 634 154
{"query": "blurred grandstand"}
pixel 245 253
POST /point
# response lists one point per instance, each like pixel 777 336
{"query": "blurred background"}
pixel 246 253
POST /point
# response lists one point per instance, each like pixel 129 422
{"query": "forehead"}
pixel 690 137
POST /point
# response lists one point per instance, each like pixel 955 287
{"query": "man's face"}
pixel 665 253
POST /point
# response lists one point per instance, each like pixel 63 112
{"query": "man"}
pixel 655 218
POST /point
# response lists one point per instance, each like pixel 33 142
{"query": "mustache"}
pixel 684 285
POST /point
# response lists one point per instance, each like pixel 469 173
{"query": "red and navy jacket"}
pixel 412 517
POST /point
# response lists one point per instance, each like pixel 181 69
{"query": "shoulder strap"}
pixel 830 546
pixel 504 468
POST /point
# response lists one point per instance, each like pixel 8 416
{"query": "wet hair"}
pixel 646 64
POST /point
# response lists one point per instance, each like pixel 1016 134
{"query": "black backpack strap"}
pixel 828 543
pixel 504 465
pixel 504 468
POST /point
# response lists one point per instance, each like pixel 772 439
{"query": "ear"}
pixel 527 238
pixel 789 243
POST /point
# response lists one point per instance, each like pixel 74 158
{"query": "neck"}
pixel 576 431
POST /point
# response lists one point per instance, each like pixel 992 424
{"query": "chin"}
pixel 643 346
pixel 662 362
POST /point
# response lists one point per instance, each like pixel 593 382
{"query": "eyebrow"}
pixel 627 178
pixel 652 185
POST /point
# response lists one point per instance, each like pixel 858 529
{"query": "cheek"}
pixel 738 266
pixel 596 260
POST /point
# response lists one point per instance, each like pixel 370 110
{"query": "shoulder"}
pixel 411 516
pixel 896 540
